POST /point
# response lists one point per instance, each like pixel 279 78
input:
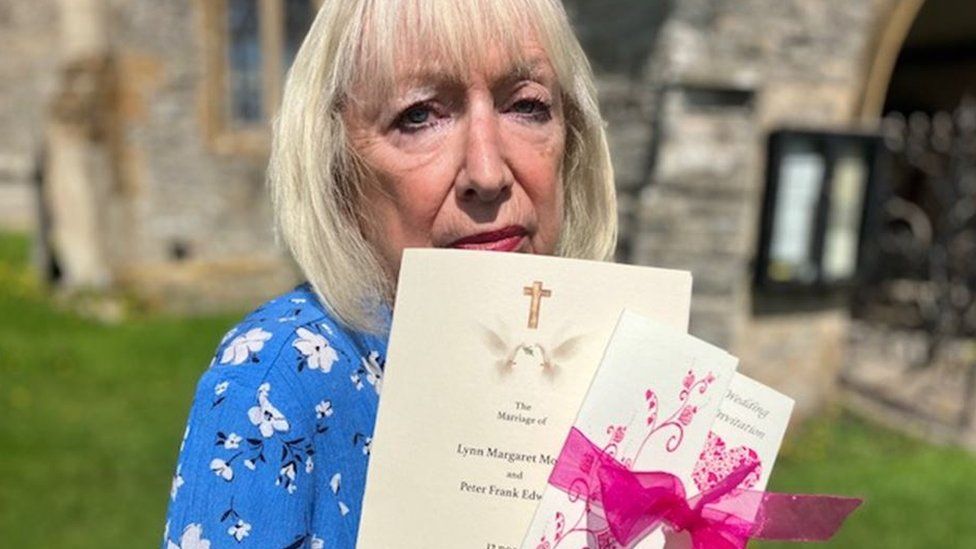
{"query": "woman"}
pixel 410 123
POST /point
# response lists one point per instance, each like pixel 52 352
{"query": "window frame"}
pixel 830 146
pixel 222 134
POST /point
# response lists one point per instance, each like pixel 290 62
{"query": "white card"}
pixel 749 428
pixel 490 355
pixel 651 406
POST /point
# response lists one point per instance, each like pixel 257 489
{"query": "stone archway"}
pixel 887 42
pixel 925 45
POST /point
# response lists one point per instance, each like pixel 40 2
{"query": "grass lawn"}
pixel 916 495
pixel 91 416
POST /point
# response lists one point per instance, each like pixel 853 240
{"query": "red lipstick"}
pixel 507 239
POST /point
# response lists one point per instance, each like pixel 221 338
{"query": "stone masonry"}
pixel 688 121
pixel 28 74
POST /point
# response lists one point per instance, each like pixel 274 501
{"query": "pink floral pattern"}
pixel 590 523
pixel 718 461
pixel 682 417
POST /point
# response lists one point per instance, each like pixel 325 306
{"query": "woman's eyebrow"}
pixel 428 77
pixel 534 69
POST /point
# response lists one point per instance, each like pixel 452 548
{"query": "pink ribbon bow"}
pixel 722 517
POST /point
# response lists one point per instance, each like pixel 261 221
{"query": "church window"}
pixel 249 46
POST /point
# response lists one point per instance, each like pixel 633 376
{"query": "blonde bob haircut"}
pixel 354 47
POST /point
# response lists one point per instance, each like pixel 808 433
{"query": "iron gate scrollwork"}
pixel 920 268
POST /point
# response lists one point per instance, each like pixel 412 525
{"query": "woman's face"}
pixel 471 164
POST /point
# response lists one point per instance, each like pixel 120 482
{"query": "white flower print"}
pixel 233 441
pixel 240 530
pixel 177 482
pixel 192 538
pixel 372 370
pixel 316 349
pixel 366 441
pixel 297 300
pixel 309 465
pixel 317 542
pixel 335 484
pixel 323 409
pixel 221 387
pixel 288 473
pixel 374 373
pixel 267 418
pixel 222 469
pixel 356 381
pixel 219 396
pixel 240 349
pixel 249 463
pixel 186 433
pixel 230 333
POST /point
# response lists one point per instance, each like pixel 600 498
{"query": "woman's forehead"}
pixel 418 64
pixel 492 65
pixel 403 41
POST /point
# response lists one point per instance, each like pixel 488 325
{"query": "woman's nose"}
pixel 485 174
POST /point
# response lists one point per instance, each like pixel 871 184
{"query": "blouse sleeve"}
pixel 244 477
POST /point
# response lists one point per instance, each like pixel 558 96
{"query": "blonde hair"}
pixel 316 180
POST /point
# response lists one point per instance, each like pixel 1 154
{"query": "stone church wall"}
pixel 688 128
pixel 189 225
pixel 28 71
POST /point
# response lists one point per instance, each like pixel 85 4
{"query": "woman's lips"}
pixel 507 239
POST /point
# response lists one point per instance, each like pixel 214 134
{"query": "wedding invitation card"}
pixel 651 406
pixel 490 356
pixel 749 428
pixel 662 403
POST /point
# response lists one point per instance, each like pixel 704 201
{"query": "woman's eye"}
pixel 535 109
pixel 416 117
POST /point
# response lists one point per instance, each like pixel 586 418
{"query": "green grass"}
pixel 91 416
pixel 916 494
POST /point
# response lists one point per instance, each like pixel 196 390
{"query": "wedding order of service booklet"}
pixel 536 403
pixel 490 357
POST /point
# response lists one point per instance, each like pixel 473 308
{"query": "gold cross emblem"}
pixel 537 293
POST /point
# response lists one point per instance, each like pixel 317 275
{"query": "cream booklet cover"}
pixel 490 355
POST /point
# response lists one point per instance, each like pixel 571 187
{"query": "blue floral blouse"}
pixel 275 450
